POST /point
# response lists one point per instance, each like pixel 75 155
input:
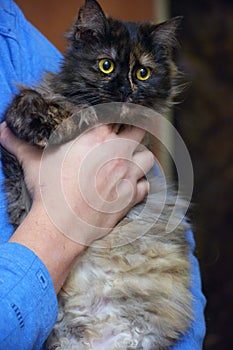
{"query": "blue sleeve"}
pixel 24 56
pixel 194 337
pixel 25 53
pixel 28 303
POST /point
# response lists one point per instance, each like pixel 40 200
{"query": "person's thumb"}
pixel 19 148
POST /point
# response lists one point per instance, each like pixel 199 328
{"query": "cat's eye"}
pixel 106 65
pixel 143 73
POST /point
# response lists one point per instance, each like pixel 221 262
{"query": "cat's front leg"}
pixel 32 118
pixel 18 197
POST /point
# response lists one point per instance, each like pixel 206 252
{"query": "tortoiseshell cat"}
pixel 134 296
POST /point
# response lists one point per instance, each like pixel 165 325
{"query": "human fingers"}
pixel 19 148
pixel 28 156
pixel 8 140
pixel 97 134
pixel 143 160
pixel 142 190
pixel 122 144
pixel 132 133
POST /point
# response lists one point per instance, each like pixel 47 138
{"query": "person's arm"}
pixel 28 303
pixel 25 55
pixel 38 244
pixel 194 337
pixel 49 240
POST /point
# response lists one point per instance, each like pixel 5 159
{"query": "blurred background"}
pixel 204 118
pixel 205 121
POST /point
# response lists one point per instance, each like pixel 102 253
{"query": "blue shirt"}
pixel 28 303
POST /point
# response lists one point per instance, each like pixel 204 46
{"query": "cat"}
pixel 136 295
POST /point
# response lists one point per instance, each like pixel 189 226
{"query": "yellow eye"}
pixel 143 73
pixel 106 66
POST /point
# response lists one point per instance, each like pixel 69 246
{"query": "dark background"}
pixel 205 121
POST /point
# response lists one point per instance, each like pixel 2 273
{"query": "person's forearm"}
pixel 55 250
pixel 28 303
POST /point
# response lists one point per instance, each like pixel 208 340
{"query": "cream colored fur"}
pixel 131 296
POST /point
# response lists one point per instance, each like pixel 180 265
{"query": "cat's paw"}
pixel 28 117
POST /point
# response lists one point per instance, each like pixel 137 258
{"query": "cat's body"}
pixel 135 296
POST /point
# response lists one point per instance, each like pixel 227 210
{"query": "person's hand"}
pixel 115 178
pixel 99 176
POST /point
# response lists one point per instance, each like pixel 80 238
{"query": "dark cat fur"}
pixel 35 113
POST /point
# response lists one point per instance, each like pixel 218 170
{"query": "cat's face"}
pixel 109 60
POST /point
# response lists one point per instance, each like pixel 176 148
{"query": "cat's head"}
pixel 110 60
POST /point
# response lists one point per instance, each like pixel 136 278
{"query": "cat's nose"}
pixel 125 93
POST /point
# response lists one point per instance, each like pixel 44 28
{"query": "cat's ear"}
pixel 91 21
pixel 165 33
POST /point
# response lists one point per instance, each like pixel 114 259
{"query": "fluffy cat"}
pixel 134 296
